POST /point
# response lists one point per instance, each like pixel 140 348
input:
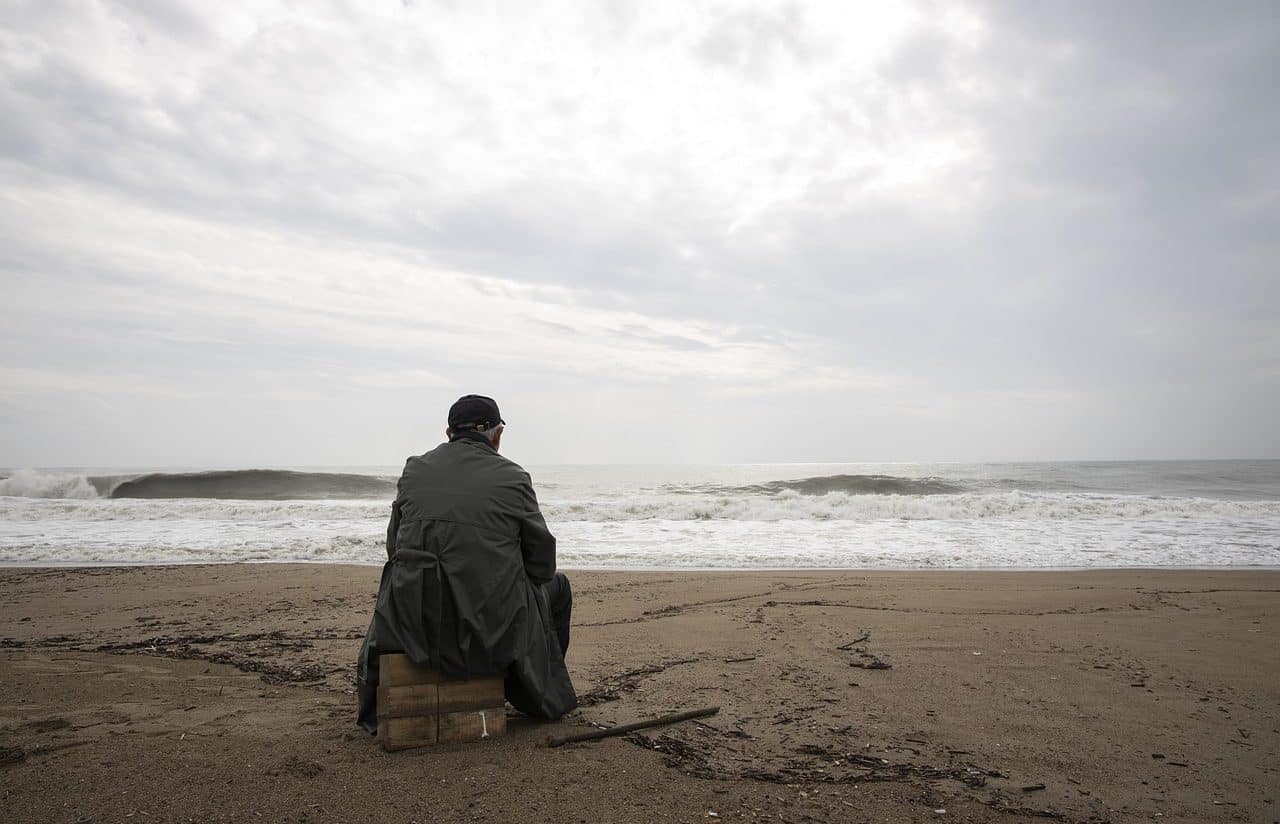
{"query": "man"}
pixel 470 586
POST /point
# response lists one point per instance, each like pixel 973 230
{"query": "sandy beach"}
pixel 220 693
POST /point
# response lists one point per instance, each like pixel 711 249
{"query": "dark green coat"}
pixel 468 554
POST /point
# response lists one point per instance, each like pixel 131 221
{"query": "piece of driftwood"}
pixel 622 729
pixel 865 637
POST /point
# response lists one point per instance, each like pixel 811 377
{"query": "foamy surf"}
pixel 1054 515
pixel 28 483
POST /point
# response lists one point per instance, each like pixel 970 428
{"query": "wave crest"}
pixel 255 485
pixel 861 485
pixel 820 485
pixel 29 483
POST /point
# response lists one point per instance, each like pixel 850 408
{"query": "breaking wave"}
pixel 256 485
pixel 854 485
pixel 1116 515
pixel 281 485
pixel 231 484
pixel 27 483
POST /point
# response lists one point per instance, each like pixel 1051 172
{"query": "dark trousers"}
pixel 560 596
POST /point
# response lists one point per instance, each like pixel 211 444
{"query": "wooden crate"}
pixel 418 707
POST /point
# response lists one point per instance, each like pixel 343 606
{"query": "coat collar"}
pixel 476 437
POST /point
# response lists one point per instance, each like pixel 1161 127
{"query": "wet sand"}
pixel 223 693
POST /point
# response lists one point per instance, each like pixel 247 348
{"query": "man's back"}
pixel 470 585
pixel 469 519
pixel 464 502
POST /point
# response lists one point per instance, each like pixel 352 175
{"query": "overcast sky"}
pixel 262 233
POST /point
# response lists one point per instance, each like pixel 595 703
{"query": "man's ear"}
pixel 497 437
pixel 448 433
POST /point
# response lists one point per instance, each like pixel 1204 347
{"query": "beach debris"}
pixel 11 755
pixel 1026 811
pixel 256 652
pixel 615 686
pixel 1031 788
pixel 741 660
pixel 866 660
pixel 690 757
pixel 621 729
pixel 866 636
pixel 871 662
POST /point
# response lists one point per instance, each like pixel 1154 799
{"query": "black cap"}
pixel 474 412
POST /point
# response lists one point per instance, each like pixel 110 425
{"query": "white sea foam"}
pixel 785 506
pixel 28 483
pixel 839 506
pixel 106 509
pixel 664 544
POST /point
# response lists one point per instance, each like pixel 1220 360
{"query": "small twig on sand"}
pixel 622 729
pixel 741 660
pixel 866 636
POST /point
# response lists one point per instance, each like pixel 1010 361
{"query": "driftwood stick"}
pixel 622 729
pixel 851 644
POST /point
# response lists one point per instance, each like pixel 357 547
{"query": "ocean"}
pixel 751 516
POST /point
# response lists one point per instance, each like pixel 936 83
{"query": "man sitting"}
pixel 470 586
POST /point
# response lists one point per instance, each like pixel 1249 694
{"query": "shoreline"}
pixel 1125 692
pixel 21 565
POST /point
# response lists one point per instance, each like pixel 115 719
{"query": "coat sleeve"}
pixel 393 527
pixel 537 544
